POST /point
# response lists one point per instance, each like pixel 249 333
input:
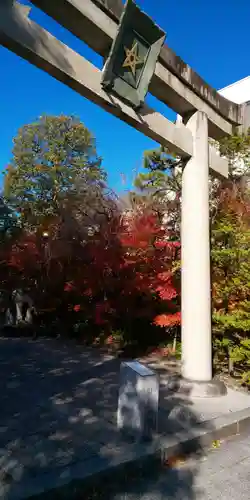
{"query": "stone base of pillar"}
pixel 195 389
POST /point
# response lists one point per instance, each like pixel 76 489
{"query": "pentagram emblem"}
pixel 132 59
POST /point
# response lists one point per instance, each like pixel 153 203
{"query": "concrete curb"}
pixel 98 476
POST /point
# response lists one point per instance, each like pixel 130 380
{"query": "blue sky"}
pixel 213 37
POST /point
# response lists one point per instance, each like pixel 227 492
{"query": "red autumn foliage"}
pixel 152 262
pixel 68 287
pixel 123 272
pixel 164 320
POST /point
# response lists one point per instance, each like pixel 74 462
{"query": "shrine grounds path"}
pixel 58 403
pixel 221 475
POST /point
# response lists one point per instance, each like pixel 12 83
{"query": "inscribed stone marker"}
pixel 138 401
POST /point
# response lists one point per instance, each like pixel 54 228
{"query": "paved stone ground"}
pixel 58 407
pixel 222 475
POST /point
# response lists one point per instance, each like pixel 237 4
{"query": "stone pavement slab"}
pixel 223 474
pixel 58 406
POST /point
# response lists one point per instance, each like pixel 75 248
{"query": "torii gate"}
pixel 205 114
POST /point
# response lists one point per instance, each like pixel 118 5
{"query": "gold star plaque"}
pixel 132 60
pixel 130 64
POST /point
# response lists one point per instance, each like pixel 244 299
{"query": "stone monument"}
pixel 137 412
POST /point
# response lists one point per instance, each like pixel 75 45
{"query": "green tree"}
pixel 231 279
pixel 9 232
pixel 160 174
pixel 159 185
pixel 8 221
pixel 54 160
pixel 160 180
pixel 237 150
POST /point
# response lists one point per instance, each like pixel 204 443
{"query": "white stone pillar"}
pixel 195 240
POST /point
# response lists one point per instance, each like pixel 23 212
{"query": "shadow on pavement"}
pixel 58 422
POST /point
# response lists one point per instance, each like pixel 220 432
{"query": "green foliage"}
pixel 230 252
pixel 9 223
pixel 159 176
pixel 160 187
pixel 53 159
pixel 178 350
pixel 237 149
pixel 241 354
